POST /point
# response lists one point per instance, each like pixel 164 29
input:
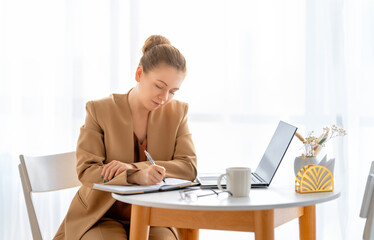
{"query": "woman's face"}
pixel 158 86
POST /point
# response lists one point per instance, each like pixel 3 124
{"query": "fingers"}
pixel 112 169
pixel 154 180
pixel 106 170
pixel 155 174
pixel 119 171
pixel 149 176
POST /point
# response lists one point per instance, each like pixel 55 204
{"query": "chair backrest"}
pixel 367 206
pixel 46 173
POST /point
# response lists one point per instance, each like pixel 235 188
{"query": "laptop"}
pixel 269 163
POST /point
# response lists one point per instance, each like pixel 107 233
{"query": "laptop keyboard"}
pixel 212 180
pixel 254 180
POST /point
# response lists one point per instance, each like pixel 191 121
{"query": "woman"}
pixel 112 141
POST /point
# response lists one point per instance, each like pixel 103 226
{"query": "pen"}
pixel 151 160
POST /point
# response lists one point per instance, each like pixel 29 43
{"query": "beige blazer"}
pixel 107 135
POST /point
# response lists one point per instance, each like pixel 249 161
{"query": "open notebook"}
pixel 170 184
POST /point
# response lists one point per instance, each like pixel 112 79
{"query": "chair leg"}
pixel 369 225
pixel 34 225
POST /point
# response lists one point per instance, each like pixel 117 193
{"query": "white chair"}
pixel 43 174
pixel 367 207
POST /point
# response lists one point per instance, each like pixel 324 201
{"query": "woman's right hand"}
pixel 149 176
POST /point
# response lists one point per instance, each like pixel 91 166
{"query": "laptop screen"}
pixel 275 151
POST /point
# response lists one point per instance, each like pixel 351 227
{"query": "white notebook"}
pixel 170 184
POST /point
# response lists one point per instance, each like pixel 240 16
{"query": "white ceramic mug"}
pixel 238 181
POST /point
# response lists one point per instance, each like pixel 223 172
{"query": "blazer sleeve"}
pixel 90 152
pixel 184 163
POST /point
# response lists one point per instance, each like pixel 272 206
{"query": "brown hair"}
pixel 158 49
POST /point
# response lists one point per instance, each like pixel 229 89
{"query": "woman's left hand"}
pixel 113 169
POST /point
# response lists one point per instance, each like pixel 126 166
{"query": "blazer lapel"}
pixel 154 135
pixel 157 144
pixel 127 129
pixel 150 135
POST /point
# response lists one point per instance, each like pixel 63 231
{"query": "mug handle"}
pixel 219 182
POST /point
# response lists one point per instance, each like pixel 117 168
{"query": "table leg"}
pixel 139 224
pixel 264 224
pixel 188 234
pixel 307 223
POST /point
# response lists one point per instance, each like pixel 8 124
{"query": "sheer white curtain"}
pixel 54 57
pixel 359 73
pixel 250 64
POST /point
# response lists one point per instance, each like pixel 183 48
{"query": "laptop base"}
pixel 210 182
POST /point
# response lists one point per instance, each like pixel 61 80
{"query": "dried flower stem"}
pixel 313 145
pixel 300 137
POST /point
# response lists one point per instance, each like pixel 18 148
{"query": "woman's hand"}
pixel 149 176
pixel 113 169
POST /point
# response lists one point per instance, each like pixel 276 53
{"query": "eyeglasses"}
pixel 193 194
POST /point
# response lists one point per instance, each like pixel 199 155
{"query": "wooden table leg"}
pixel 188 234
pixel 139 224
pixel 307 223
pixel 264 224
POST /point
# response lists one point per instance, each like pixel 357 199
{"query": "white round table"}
pixel 261 212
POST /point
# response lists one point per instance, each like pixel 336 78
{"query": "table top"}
pixel 259 199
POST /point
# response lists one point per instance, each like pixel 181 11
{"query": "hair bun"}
pixel 153 41
pixel 158 49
